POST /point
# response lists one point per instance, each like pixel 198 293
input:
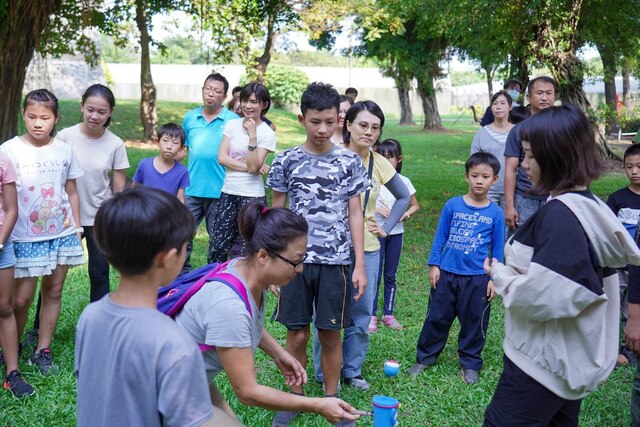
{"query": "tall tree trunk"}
pixel 148 114
pixel 489 72
pixel 427 93
pixel 626 84
pixel 22 23
pixel 262 62
pixel 519 69
pixel 403 85
pixel 609 68
pixel 565 66
pixel 406 114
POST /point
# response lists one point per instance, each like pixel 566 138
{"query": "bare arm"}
pixel 10 206
pixel 227 161
pixel 74 200
pixel 255 159
pixel 414 207
pixel 510 171
pixel 356 224
pixel 239 366
pixel 180 195
pixel 119 180
pixel 279 200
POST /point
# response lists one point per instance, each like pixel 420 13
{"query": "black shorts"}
pixel 325 288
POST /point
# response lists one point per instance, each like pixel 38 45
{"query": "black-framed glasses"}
pixel 295 265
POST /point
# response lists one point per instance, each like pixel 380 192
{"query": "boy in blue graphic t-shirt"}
pixel 471 228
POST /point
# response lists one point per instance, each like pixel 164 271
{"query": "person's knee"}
pixel 52 292
pixel 6 309
pixel 330 340
pixel 299 338
pixel 22 302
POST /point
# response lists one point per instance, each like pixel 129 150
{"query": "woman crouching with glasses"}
pixel 230 328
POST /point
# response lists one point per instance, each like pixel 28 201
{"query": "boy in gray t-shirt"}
pixel 134 366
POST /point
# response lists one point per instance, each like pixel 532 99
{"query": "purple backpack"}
pixel 173 297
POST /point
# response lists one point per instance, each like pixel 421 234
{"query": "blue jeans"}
pixel 355 340
pixel 201 208
pixel 390 250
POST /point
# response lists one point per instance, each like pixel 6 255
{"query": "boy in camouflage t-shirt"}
pixel 324 183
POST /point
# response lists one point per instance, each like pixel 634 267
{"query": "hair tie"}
pixel 264 211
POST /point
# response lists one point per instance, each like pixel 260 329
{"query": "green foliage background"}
pixel 435 164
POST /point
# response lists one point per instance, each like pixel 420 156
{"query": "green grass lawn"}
pixel 435 164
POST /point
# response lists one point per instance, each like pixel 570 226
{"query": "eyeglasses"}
pixel 295 265
pixel 375 128
pixel 209 89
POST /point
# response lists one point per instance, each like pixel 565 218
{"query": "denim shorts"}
pixel 7 257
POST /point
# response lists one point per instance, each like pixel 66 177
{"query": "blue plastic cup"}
pixel 385 410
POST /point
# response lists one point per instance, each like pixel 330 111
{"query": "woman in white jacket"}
pixel 558 287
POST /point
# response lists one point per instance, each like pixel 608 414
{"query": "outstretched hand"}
pixel 294 373
pixel 336 410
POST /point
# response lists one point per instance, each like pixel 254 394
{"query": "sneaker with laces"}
pixel 357 382
pixel 416 369
pixel 17 386
pixel 390 321
pixel 31 339
pixel 373 325
pixel 44 361
pixel 469 376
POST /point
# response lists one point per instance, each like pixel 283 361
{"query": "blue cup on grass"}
pixel 385 410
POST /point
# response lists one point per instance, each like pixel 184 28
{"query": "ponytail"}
pixel 270 229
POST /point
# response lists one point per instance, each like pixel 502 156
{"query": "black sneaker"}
pixel 44 361
pixel 31 340
pixel 17 386
pixel 469 376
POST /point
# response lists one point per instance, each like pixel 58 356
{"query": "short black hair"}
pixel 545 79
pixel 172 130
pixel 352 90
pixel 220 78
pixel 353 112
pixel 633 150
pixel 482 158
pixel 345 98
pixel 135 225
pixel 319 96
pixel 563 144
pixel 518 114
pixel 103 92
pixel 390 148
pixel 512 82
pixel 236 89
pixel 269 229
pixel 502 93
pixel 260 91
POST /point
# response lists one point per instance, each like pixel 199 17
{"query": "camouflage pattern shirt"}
pixel 319 187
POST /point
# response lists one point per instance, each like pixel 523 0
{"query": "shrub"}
pixel 285 84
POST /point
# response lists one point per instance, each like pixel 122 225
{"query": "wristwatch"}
pixel 252 147
pixel 1 248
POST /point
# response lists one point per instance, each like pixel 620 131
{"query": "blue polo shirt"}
pixel 203 141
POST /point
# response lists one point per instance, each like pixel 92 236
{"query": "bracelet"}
pixel 80 230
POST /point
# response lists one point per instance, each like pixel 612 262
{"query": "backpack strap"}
pixel 235 285
pixel 366 195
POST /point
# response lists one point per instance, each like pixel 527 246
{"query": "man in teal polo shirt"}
pixel 203 127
